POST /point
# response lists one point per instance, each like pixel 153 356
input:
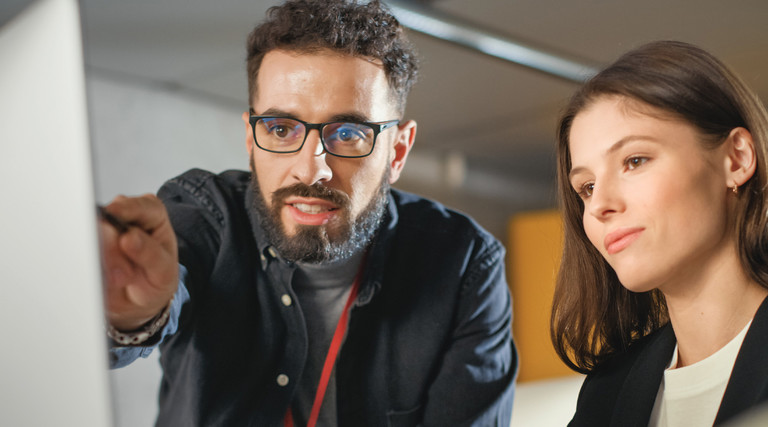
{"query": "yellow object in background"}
pixel 534 248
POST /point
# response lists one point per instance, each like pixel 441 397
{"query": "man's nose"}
pixel 311 164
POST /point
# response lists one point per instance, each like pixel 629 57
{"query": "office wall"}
pixel 143 134
pixel 533 249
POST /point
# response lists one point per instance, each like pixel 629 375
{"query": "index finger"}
pixel 146 212
pixel 112 220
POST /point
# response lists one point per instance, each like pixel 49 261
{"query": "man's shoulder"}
pixel 214 193
pixel 195 179
pixel 417 211
pixel 204 185
pixel 429 217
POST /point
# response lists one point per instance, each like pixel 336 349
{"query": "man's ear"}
pixel 406 134
pixel 248 134
pixel 740 161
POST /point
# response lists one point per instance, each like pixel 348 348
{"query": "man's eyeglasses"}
pixel 342 139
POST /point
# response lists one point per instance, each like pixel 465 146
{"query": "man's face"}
pixel 318 207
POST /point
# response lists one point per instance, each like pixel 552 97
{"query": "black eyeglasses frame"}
pixel 377 127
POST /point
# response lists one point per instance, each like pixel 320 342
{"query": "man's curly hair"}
pixel 366 30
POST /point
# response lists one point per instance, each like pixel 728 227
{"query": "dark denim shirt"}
pixel 429 339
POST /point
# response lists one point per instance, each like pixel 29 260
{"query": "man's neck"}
pixel 328 274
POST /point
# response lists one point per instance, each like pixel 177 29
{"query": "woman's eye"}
pixel 585 191
pixel 635 161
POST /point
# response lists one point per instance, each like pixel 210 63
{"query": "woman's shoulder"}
pixel 637 370
pixel 660 339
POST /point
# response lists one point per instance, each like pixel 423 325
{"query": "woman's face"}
pixel 654 198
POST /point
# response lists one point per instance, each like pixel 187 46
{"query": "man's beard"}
pixel 335 241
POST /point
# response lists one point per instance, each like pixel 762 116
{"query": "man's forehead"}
pixel 324 77
pixel 340 66
pixel 322 52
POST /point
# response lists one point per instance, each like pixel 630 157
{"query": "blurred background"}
pixel 166 87
pixel 486 125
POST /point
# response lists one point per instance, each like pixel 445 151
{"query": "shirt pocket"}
pixel 405 418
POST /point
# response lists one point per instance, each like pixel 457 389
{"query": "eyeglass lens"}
pixel 340 138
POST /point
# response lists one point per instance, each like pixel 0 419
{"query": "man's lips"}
pixel 616 241
pixel 310 211
pixel 310 208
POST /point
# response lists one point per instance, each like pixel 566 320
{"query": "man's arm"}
pixel 140 261
pixel 120 356
pixel 475 386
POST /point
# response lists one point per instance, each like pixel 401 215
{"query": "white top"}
pixel 690 396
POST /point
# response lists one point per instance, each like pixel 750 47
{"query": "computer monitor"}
pixel 53 363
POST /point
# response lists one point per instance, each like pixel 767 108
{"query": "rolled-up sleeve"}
pixel 120 356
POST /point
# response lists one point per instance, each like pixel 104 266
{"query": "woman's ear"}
pixel 741 161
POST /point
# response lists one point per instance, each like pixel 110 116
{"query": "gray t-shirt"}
pixel 322 291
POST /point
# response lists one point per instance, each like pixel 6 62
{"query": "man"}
pixel 307 291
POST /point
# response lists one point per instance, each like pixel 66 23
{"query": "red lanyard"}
pixel 330 358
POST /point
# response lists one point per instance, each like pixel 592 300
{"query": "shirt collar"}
pixel 266 252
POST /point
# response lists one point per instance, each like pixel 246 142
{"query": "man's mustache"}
pixel 318 191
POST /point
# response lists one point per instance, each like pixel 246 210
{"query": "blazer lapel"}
pixel 638 393
pixel 748 384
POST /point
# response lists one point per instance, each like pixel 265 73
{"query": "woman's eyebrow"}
pixel 614 148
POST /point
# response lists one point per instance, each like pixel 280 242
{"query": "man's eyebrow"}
pixel 350 117
pixel 276 112
pixel 343 117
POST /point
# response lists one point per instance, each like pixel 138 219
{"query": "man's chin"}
pixel 301 231
pixel 294 229
pixel 330 233
pixel 314 244
pixel 337 238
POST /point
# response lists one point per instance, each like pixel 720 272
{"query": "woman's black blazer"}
pixel 622 390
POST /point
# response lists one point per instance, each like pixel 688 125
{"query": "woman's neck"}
pixel 707 311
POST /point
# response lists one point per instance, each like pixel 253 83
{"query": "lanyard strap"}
pixel 330 358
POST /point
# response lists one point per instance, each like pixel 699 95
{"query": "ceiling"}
pixel 496 116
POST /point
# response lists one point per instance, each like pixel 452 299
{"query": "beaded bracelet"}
pixel 145 333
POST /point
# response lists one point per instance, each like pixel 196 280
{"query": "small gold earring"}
pixel 735 189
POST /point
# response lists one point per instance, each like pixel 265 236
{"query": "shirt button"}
pixel 286 299
pixel 282 380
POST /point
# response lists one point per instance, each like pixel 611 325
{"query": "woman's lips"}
pixel 618 240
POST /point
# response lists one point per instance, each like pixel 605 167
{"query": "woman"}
pixel 660 295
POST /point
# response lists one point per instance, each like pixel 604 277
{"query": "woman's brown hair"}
pixel 593 315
